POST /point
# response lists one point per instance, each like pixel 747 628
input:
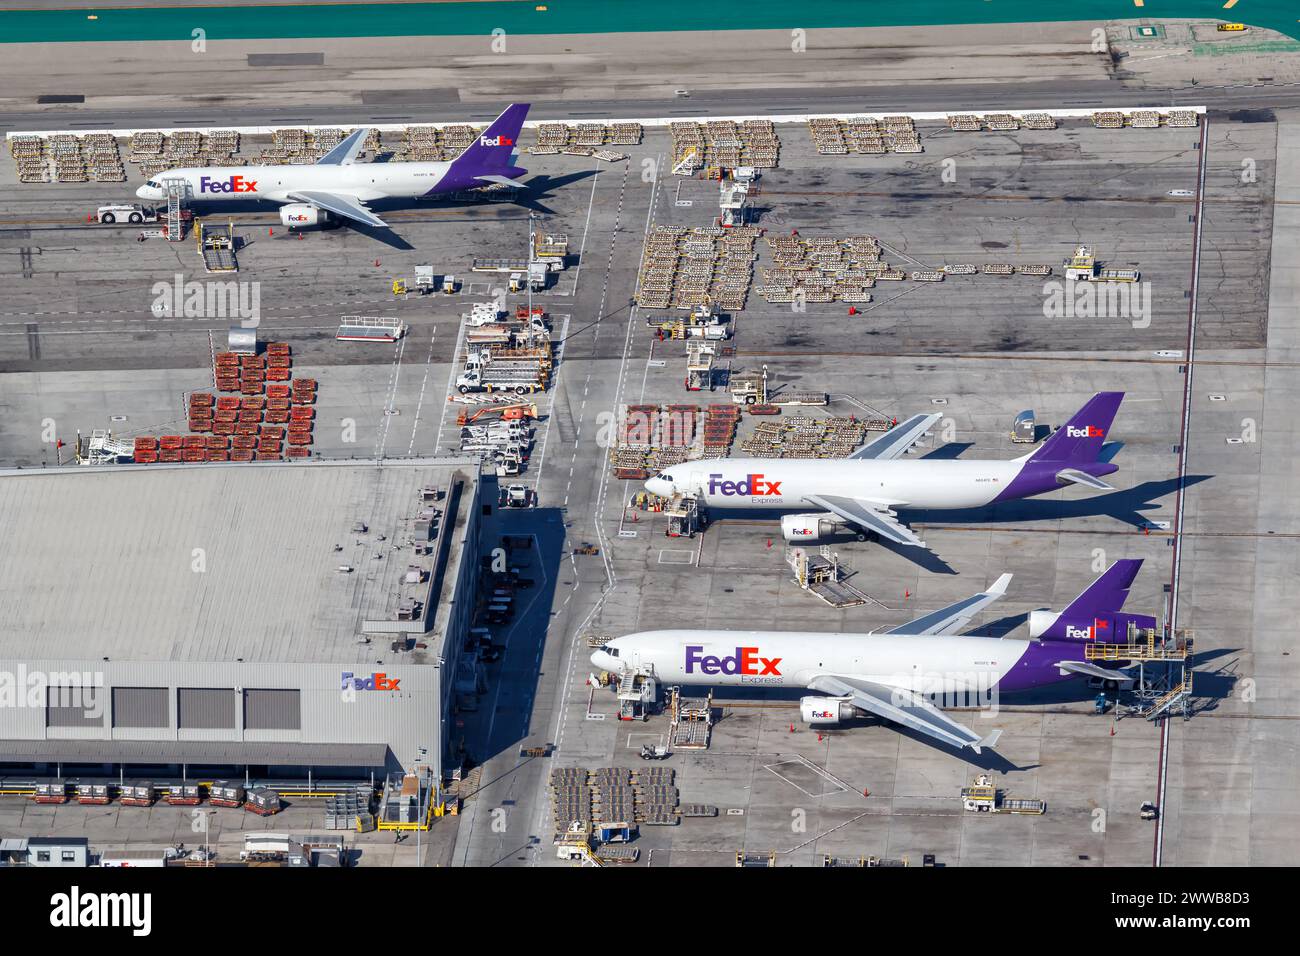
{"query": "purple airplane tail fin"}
pixel 1107 594
pixel 492 154
pixel 1096 614
pixel 1079 441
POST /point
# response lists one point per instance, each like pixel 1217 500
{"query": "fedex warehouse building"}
pixel 278 620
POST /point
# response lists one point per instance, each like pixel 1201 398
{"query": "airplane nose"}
pixel 657 486
pixel 601 660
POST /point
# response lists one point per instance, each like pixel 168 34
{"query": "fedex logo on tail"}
pixel 235 184
pixel 1078 633
pixel 1087 431
pixel 745 661
pixel 752 486
pixel 495 141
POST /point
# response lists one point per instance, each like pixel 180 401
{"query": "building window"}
pixel 69 856
pixel 42 856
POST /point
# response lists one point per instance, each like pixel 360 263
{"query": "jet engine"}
pixel 299 214
pixel 1040 621
pixel 811 528
pixel 824 711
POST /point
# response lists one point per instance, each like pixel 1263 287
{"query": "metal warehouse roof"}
pixel 212 562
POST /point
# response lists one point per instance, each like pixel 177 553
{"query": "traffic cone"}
pixel 792 728
pixel 819 738
pixel 1112 728
pixel 866 792
pixel 376 263
pixel 853 310
pixel 270 230
pixel 906 594
pixel 769 544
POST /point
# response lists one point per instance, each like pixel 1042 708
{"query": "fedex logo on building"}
pixel 1087 431
pixel 235 184
pixel 752 486
pixel 495 141
pixel 378 681
pixel 744 662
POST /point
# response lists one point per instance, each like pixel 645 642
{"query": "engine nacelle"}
pixel 299 214
pixel 1040 621
pixel 824 711
pixel 811 528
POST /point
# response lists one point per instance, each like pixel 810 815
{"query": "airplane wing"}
pixel 954 617
pixel 893 443
pixel 868 515
pixel 344 206
pixel 345 153
pixel 903 707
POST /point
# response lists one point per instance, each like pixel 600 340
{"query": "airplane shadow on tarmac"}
pixel 1124 505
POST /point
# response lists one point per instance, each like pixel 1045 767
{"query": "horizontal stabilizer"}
pixel 1076 477
pixel 990 741
pixel 1089 670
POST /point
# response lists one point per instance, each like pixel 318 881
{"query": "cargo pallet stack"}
pixel 720 422
pixel 272 408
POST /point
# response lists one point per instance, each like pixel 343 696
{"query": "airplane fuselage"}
pixel 928 665
pixel 363 181
pixel 783 484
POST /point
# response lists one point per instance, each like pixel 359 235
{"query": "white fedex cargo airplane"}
pixel 862 492
pixel 899 674
pixel 338 185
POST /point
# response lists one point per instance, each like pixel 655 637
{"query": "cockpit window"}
pixel 153 184
pixel 611 651
pixel 664 477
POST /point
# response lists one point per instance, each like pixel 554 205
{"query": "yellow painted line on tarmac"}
pixel 1139 3
pixel 1230 4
